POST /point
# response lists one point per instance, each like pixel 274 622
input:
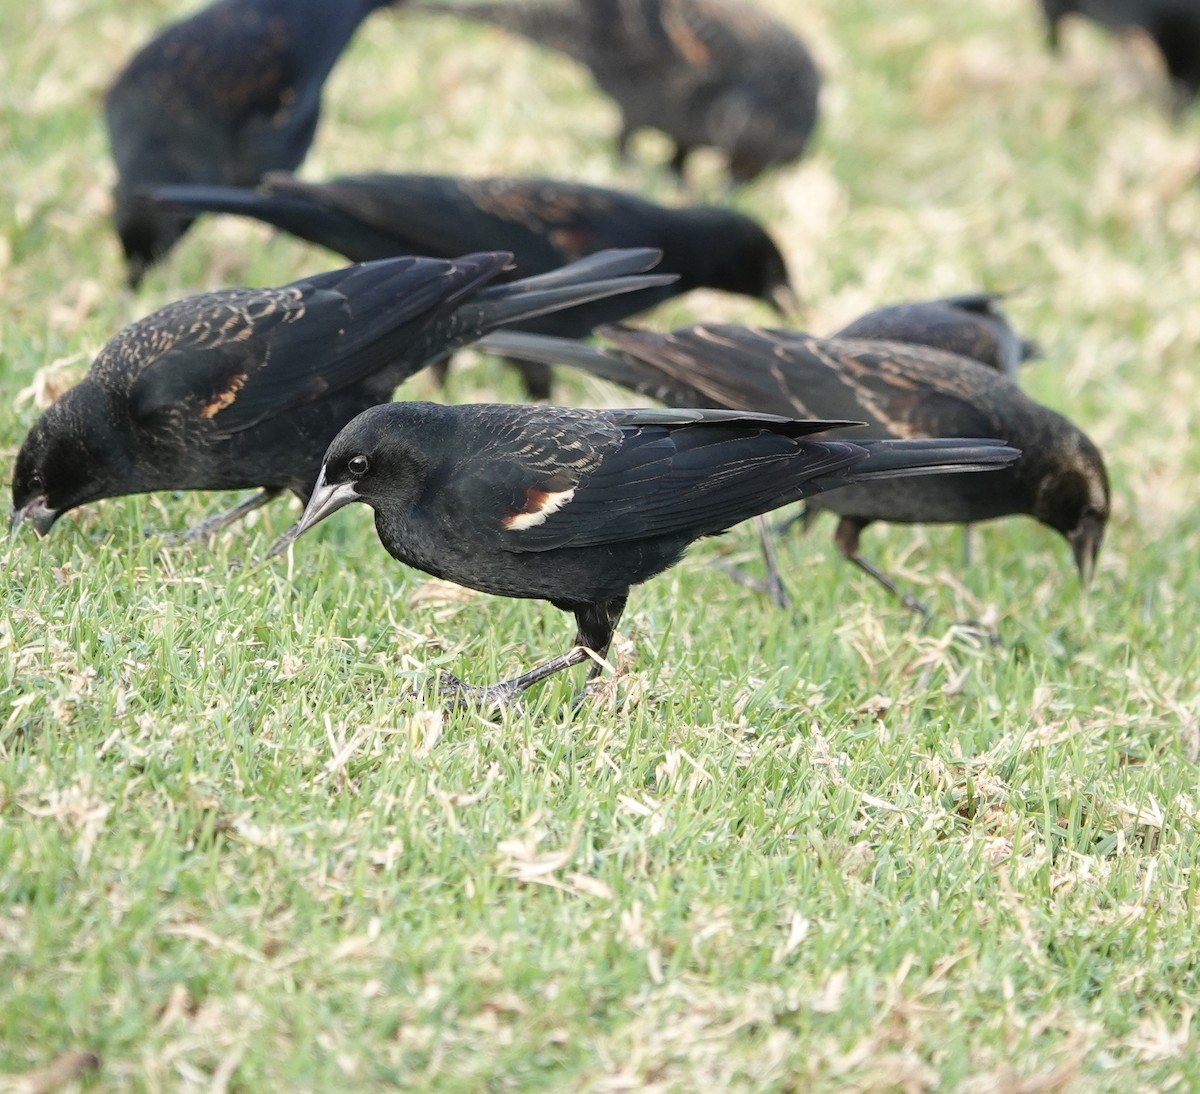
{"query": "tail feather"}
pixel 226 199
pixel 604 363
pixel 604 274
pixel 291 212
pixel 888 459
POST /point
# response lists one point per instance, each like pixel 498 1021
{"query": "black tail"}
pixel 606 363
pixel 604 274
pixel 889 459
pixel 294 213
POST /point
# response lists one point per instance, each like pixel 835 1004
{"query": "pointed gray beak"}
pixel 37 511
pixel 1085 545
pixel 325 499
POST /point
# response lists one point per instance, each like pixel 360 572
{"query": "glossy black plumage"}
pixel 970 325
pixel 544 222
pixel 897 390
pixel 1173 26
pixel 247 387
pixel 707 73
pixel 221 97
pixel 576 506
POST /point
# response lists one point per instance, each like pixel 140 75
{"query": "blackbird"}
pixel 707 73
pixel 223 96
pixel 247 387
pixel 1173 26
pixel 898 390
pixel 544 222
pixel 576 506
pixel 971 325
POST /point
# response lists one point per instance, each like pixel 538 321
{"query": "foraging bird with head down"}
pixel 222 97
pixel 898 390
pixel 576 506
pixel 971 325
pixel 544 222
pixel 708 73
pixel 245 388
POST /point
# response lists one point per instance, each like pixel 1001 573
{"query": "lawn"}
pixel 821 849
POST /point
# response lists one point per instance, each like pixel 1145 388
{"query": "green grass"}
pixel 814 850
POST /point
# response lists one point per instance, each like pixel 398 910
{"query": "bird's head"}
pixel 146 230
pixel 370 460
pixel 1073 498
pixel 741 257
pixel 71 456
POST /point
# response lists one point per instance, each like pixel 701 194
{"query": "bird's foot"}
pixel 203 532
pixel 914 605
pixel 460 696
pixel 980 631
pixel 456 695
pixel 206 529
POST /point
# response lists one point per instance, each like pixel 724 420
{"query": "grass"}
pixel 815 850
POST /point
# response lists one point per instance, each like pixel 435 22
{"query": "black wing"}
pixel 238 357
pixel 898 390
pixel 545 223
pixel 563 478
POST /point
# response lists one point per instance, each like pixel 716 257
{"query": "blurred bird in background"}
pixel 222 97
pixel 708 73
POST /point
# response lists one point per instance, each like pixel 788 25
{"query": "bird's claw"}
pixel 456 695
pixel 976 628
pixel 200 533
pixel 914 605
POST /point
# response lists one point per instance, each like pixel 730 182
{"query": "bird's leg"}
pixel 622 142
pixel 206 529
pixel 773 584
pixel 907 599
pixel 804 518
pixel 595 624
pixel 846 537
pixel 439 370
pixel 460 695
pixel 535 377
pixel 966 546
pixel 678 164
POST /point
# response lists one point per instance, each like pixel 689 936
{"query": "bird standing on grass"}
pixel 970 325
pixel 898 390
pixel 708 73
pixel 245 388
pixel 220 97
pixel 544 222
pixel 577 506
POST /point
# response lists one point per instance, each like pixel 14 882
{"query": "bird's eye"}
pixel 358 466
